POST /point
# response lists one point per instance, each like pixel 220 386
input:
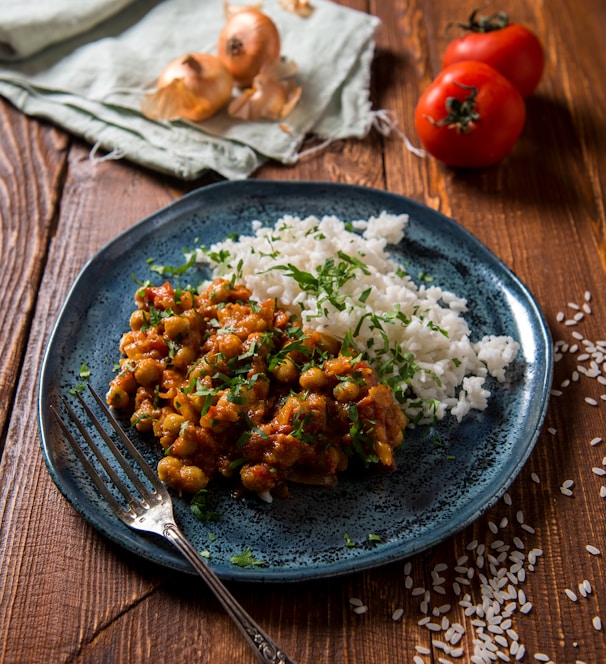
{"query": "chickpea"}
pixel 346 391
pixel 184 408
pixel 381 395
pixel 192 479
pixel 186 299
pixel 327 343
pixel 312 379
pixel 226 410
pixel 127 381
pixel 142 420
pixel 148 371
pixel 169 470
pixel 286 371
pixel 257 478
pixel 172 423
pixel 117 397
pixel 229 344
pixel 184 446
pixel 129 344
pixel 138 319
pixel 176 326
pixel 184 357
pixel 336 366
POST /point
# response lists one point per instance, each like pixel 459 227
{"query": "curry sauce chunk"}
pixel 238 389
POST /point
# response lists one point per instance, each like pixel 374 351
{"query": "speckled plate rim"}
pixel 240 196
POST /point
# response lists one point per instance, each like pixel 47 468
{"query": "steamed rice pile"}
pixel 341 281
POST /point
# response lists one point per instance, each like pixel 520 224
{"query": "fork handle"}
pixel 266 650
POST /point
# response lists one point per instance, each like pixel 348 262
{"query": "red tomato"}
pixel 511 49
pixel 470 116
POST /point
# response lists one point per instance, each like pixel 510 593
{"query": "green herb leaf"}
pixel 246 559
pixel 201 509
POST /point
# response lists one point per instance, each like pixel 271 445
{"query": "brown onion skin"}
pixel 248 40
pixel 192 87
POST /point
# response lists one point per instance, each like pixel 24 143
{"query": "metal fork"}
pixel 152 511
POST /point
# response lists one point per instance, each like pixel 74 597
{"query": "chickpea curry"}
pixel 238 389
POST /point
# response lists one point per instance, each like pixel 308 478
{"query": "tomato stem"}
pixel 461 113
pixel 475 23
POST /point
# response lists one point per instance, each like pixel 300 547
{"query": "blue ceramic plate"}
pixel 434 492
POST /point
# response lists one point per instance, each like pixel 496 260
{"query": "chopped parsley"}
pixel 246 559
pixel 84 374
pixel 348 541
pixel 200 508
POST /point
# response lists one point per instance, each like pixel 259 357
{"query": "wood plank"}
pixel 32 165
pixel 70 559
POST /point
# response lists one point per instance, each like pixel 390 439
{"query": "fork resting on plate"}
pixel 152 511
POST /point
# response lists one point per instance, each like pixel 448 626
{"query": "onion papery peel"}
pixel 301 7
pixel 271 95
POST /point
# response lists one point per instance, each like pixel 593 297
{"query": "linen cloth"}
pixel 91 83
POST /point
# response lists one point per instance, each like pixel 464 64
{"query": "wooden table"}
pixel 68 595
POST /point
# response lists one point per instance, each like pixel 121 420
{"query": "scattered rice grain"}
pixel 593 550
pixel 597 623
pixel 527 608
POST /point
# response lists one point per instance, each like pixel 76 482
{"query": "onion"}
pixel 249 39
pixel 192 87
pixel 269 96
pixel 301 7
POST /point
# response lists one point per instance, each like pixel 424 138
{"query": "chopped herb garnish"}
pixel 246 559
pixel 173 271
pixel 348 541
pixel 201 509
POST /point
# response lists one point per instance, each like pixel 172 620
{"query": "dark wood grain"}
pixel 69 595
pixel 32 165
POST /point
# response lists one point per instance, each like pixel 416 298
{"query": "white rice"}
pixel 451 369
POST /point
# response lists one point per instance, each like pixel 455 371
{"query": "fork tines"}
pixel 149 496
